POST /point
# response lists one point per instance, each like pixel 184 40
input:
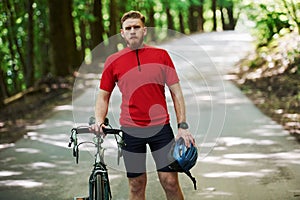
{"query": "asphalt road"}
pixel 243 153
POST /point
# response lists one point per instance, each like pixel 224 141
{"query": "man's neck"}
pixel 134 48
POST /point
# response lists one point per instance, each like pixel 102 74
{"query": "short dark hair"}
pixel 133 14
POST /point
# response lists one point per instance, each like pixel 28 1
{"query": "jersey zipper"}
pixel 138 59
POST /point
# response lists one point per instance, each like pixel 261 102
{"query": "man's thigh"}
pixel 160 146
pixel 134 154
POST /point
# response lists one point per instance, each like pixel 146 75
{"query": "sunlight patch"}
pixel 21 183
pixel 234 141
pixel 224 161
pixel 40 165
pixel 246 156
pixel 4 146
pixel 67 172
pixel 9 173
pixel 114 176
pixel 64 107
pixel 237 174
pixel 27 150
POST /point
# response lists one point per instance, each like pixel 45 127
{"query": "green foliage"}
pixel 15 20
pixel 271 19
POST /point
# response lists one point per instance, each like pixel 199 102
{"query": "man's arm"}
pixel 101 109
pixel 179 105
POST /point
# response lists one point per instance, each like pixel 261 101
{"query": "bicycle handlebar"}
pixel 86 129
pixel 82 130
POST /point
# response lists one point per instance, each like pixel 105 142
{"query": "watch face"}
pixel 183 125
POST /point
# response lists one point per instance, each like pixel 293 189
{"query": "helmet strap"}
pixel 188 173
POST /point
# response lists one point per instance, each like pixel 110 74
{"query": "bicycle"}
pixel 99 187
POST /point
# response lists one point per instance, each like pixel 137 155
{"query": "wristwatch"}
pixel 183 125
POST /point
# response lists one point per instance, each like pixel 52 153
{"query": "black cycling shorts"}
pixel 159 139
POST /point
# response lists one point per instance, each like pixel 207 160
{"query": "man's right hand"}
pixel 97 128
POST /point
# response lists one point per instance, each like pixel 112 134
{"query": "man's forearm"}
pixel 179 103
pixel 101 107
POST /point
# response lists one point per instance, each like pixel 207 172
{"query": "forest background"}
pixel 44 42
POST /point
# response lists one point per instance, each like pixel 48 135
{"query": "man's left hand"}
pixel 187 136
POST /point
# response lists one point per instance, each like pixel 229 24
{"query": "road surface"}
pixel 244 155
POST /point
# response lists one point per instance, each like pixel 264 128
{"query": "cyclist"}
pixel 141 73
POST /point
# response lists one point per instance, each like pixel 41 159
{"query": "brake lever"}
pixel 72 137
pixel 119 155
pixel 77 154
pixel 70 141
pixel 120 145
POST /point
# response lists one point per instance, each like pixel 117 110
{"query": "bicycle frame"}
pixel 99 187
pixel 99 180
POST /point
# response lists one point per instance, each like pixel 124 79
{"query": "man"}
pixel 141 73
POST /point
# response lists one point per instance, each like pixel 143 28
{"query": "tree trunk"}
pixel 41 56
pixel 151 17
pixel 64 55
pixel 232 21
pixel 193 17
pixel 97 28
pixel 169 19
pixel 12 45
pixel 3 89
pixel 224 26
pixel 75 56
pixel 29 70
pixel 181 22
pixel 122 7
pixel 151 23
pixel 84 42
pixel 200 17
pixel 214 9
pixel 113 18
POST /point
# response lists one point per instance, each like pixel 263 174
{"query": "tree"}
pixel 201 19
pixel 214 9
pixel 3 88
pixel 227 14
pixel 270 19
pixel 113 18
pixel 97 28
pixel 193 17
pixel 38 37
pixel 64 55
pixel 292 8
pixel 29 69
pixel 16 58
pixel 151 13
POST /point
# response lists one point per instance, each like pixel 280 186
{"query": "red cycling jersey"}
pixel 141 76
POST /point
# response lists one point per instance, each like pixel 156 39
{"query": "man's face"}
pixel 133 31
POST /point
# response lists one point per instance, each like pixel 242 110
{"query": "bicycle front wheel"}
pixel 99 188
pixel 102 190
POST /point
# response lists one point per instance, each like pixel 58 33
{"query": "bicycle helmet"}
pixel 183 158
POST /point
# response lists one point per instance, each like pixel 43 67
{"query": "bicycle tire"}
pixel 99 189
pixel 102 189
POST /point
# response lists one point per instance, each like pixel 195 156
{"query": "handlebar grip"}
pixel 111 131
pixel 83 130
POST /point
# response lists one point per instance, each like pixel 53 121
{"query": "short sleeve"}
pixel 108 81
pixel 170 71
